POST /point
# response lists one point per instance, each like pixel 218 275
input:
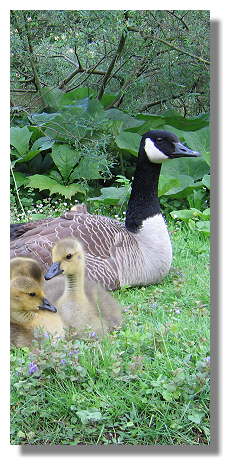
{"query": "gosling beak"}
pixel 54 270
pixel 182 151
pixel 47 306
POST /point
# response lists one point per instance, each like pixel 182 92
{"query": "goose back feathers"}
pixel 137 252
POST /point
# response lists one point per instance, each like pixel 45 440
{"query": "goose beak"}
pixel 183 151
pixel 54 270
pixel 47 306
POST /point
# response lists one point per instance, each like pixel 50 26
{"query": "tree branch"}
pixel 169 44
pixel 171 12
pixel 32 60
pixel 112 63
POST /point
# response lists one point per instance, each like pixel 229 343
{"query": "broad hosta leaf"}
pixel 43 183
pixel 95 108
pixel 55 175
pixel 128 121
pixel 128 141
pixel 112 195
pixel 88 168
pixel 107 99
pixel 20 178
pixel 52 96
pixel 43 118
pixel 190 166
pixel 43 143
pixel 200 141
pixel 186 214
pixel 206 180
pixel 20 137
pixel 28 156
pixel 173 185
pixel 150 122
pixel 186 124
pixel 203 226
pixel 65 158
pixel 206 214
pixel 73 96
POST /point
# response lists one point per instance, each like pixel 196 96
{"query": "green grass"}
pixel 147 384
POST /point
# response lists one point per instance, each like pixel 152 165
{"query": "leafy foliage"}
pixel 78 144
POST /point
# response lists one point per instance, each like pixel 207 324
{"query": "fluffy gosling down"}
pixel 30 311
pixel 84 305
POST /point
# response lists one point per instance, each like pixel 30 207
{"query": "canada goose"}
pixel 135 253
pixel 84 305
pixel 29 312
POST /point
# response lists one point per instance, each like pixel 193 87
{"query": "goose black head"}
pixel 162 145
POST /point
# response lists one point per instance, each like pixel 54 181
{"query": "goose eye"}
pixel 32 294
pixel 159 139
pixel 68 256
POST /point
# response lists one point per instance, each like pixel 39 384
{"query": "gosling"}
pixel 29 312
pixel 29 267
pixel 84 305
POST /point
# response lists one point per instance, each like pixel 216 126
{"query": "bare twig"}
pixel 112 63
pixel 169 44
pixel 32 60
pixel 171 12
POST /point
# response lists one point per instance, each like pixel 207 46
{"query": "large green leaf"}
pixel 43 118
pixel 28 156
pixel 65 158
pixel 199 140
pixel 186 124
pixel 128 122
pixel 107 99
pixel 191 166
pixel 203 226
pixel 150 122
pixel 186 214
pixel 88 168
pixel 128 141
pixel 172 185
pixel 20 178
pixel 206 180
pixel 52 97
pixel 43 143
pixel 20 137
pixel 73 96
pixel 43 183
pixel 112 195
pixel 95 108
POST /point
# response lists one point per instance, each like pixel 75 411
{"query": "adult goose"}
pixel 137 252
pixel 84 305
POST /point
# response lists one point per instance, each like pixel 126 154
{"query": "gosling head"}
pixel 27 299
pixel 67 257
pixel 159 145
pixel 22 266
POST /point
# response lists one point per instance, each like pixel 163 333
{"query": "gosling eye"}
pixel 69 256
pixel 32 294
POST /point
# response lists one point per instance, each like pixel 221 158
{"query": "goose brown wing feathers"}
pixel 97 234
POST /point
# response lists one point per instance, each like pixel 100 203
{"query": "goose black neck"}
pixel 143 202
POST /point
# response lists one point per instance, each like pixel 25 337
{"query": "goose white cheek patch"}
pixel 153 153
